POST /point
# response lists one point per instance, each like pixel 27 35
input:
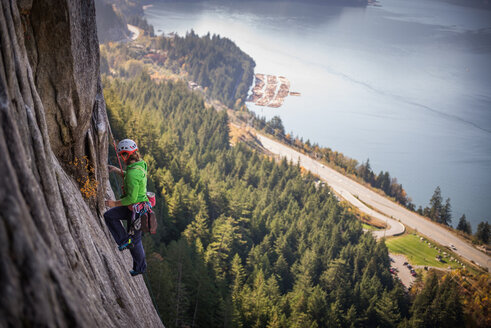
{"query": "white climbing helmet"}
pixel 127 147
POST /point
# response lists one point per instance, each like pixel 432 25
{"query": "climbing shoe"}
pixel 135 273
pixel 128 244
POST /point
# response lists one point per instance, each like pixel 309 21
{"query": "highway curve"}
pixel 394 212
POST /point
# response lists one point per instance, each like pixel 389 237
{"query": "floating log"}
pixel 267 93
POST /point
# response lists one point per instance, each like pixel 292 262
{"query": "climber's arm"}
pixel 114 169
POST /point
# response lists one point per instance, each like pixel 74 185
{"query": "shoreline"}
pixel 350 188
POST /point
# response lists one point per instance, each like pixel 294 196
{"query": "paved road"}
pixel 348 189
pixel 135 31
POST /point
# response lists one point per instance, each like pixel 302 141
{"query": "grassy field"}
pixel 369 227
pixel 420 252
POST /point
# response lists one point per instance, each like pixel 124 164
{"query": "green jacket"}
pixel 135 184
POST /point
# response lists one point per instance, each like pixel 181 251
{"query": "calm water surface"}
pixel 407 85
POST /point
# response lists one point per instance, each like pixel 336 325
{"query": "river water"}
pixel 406 84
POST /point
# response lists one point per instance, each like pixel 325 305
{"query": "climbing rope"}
pixel 147 282
pixel 118 186
pixel 116 151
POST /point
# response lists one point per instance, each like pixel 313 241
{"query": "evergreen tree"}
pixel 198 229
pixel 483 232
pixel 438 305
pixel 383 181
pixel 447 304
pixel 446 214
pixel 276 125
pixel 436 205
pixel 422 311
pixel 464 225
pixel 388 310
pixel 365 172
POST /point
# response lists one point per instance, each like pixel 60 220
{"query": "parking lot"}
pixel 402 272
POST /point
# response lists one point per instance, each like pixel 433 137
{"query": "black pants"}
pixel 113 219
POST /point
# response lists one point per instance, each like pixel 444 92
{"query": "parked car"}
pixel 392 271
pixel 409 266
pixel 452 246
pixel 405 263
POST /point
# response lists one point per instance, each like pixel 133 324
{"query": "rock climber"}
pixel 133 204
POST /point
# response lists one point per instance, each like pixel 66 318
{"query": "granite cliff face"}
pixel 60 266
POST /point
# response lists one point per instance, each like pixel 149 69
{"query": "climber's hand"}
pixel 114 169
pixel 111 168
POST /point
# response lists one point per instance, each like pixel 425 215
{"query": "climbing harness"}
pixel 138 210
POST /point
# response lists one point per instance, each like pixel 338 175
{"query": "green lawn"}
pixel 419 252
pixel 369 227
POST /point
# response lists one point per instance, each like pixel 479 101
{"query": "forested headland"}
pixel 214 63
pixel 244 241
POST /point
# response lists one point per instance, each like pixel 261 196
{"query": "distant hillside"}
pixel 483 4
pixel 342 2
